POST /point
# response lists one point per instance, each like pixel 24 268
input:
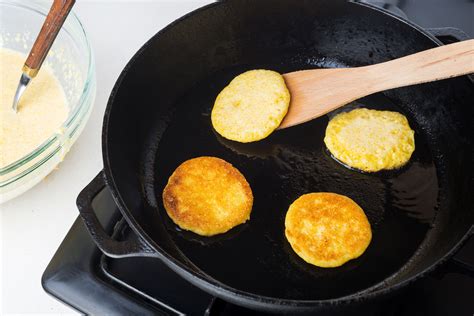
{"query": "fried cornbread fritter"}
pixel 327 229
pixel 370 140
pixel 251 107
pixel 207 196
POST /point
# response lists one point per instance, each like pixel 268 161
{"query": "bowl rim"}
pixel 78 110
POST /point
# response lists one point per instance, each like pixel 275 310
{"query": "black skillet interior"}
pixel 160 118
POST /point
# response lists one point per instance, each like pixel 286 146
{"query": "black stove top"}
pixel 82 277
pixel 92 283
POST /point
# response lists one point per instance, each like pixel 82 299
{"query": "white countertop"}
pixel 33 225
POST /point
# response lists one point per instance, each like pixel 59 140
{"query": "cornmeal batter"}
pixel 41 112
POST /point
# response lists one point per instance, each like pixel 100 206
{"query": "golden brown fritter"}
pixel 207 196
pixel 327 229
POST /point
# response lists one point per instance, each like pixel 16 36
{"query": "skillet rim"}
pixel 206 282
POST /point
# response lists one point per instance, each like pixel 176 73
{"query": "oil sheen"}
pixel 41 112
pixel 256 257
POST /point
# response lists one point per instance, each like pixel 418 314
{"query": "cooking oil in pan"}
pixel 256 257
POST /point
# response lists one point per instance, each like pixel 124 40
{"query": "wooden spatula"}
pixel 319 91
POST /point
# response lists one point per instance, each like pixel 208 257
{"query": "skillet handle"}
pixel 448 35
pixel 133 247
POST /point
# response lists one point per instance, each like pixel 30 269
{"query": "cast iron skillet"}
pixel 158 116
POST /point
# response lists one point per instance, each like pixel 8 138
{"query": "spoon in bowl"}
pixel 50 29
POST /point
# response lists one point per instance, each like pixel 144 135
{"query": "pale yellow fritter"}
pixel 327 229
pixel 207 196
pixel 370 140
pixel 251 107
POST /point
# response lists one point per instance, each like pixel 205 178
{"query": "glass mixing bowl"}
pixel 73 64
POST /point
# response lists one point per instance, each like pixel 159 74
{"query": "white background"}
pixel 33 225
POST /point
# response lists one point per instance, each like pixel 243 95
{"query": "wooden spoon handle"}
pixel 50 29
pixel 430 65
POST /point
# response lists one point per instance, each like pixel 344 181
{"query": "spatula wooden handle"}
pixel 434 64
pixel 319 91
pixel 50 29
